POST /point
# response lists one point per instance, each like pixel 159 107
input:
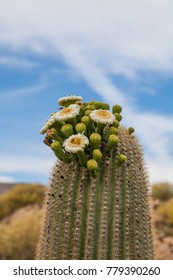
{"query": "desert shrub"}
pixel 162 191
pixel 19 235
pixel 166 212
pixel 19 196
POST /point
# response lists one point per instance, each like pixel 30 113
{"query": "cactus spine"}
pixel 102 214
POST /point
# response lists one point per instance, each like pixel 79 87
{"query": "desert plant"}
pixel 19 234
pixel 162 191
pixel 97 202
pixel 21 195
pixel 166 212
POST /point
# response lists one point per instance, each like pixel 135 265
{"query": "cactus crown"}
pixel 79 131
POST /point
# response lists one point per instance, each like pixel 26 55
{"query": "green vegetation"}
pixel 20 196
pixel 19 234
pixel 162 194
pixel 20 214
pixel 162 191
pixel 166 212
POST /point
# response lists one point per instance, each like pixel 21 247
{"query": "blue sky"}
pixel 103 50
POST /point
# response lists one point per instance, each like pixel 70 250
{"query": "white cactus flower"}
pixel 75 143
pixel 67 113
pixel 48 123
pixel 69 99
pixel 102 116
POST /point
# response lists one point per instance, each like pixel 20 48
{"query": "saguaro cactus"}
pixel 97 203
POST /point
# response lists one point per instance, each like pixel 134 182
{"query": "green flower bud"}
pixel 116 109
pixel 88 112
pixel 52 133
pixel 67 130
pixel 92 164
pixel 116 124
pixel 86 103
pixel 90 107
pixel 121 159
pixel 96 154
pixel 100 105
pixel 80 128
pixel 118 117
pixel 112 130
pixel 56 146
pixel 131 130
pixel 58 151
pixel 86 120
pixel 95 140
pixel 112 142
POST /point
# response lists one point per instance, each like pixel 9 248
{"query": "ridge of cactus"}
pixel 96 206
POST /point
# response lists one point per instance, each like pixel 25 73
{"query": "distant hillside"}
pixel 5 187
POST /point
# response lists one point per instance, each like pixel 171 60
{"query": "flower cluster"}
pixel 79 131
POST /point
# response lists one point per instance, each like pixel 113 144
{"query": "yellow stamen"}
pixel 103 114
pixel 65 111
pixel 76 141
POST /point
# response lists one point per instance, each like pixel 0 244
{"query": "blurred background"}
pixel 120 52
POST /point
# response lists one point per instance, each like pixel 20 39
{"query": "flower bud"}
pixel 88 112
pixel 116 124
pixel 58 151
pixel 92 165
pixel 100 105
pixel 112 142
pixel 116 109
pixel 112 130
pixel 80 128
pixel 118 117
pixel 56 146
pixel 121 159
pixel 131 130
pixel 86 120
pixel 96 154
pixel 52 133
pixel 95 140
pixel 67 130
pixel 90 107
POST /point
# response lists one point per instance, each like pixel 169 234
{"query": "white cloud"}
pixel 123 36
pixel 28 90
pixel 30 164
pixel 99 39
pixel 6 179
pixel 14 62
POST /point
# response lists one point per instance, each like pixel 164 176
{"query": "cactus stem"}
pixel 111 204
pixel 97 204
pixel 100 128
pixel 122 239
pixel 82 158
